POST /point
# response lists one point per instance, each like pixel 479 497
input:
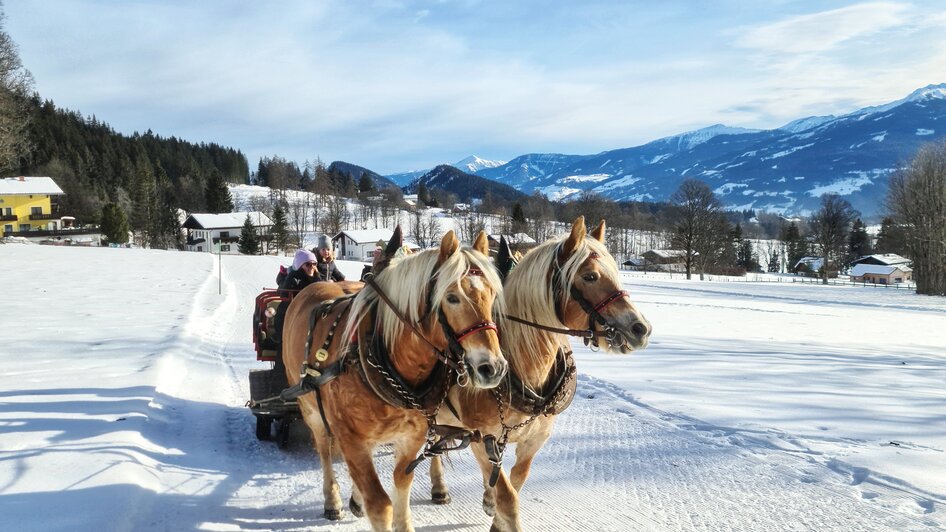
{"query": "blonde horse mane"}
pixel 406 280
pixel 529 295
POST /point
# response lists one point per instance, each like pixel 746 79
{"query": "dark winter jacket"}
pixel 295 280
pixel 327 271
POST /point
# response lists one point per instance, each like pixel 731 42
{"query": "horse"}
pixel 566 286
pixel 388 355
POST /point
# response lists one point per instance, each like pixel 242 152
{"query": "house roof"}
pixel 29 185
pixel 668 253
pixel 813 263
pixel 366 236
pixel 859 270
pixel 889 259
pixel 514 239
pixel 229 220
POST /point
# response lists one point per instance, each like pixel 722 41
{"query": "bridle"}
pixel 590 335
pixel 454 355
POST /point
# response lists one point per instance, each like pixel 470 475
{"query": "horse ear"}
pixel 448 246
pixel 598 232
pixel 504 260
pixel 397 240
pixel 575 238
pixel 481 243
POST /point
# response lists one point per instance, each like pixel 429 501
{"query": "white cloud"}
pixel 817 32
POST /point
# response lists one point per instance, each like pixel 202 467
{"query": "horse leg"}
pixel 525 453
pixel 504 498
pixel 356 503
pixel 404 452
pixel 331 497
pixel 439 493
pixel 377 504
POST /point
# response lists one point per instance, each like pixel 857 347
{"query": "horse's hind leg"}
pixel 332 500
pixel 439 493
pixel 356 503
pixel 503 496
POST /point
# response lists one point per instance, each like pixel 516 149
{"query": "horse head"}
pixel 591 295
pixel 465 291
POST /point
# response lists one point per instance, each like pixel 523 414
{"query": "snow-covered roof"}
pixel 813 263
pixel 889 259
pixel 859 270
pixel 367 236
pixel 515 238
pixel 29 185
pixel 668 253
pixel 227 220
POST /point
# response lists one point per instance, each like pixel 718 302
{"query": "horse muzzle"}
pixel 486 370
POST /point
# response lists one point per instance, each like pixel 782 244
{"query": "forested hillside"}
pixel 95 165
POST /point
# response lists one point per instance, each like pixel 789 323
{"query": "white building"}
pixel 220 233
pixel 359 244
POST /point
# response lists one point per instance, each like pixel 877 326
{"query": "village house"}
pixel 360 244
pixel 29 206
pixel 664 260
pixel 517 242
pixel 220 233
pixel 879 274
pixel 883 259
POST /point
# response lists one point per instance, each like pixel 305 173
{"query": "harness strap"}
pixel 384 297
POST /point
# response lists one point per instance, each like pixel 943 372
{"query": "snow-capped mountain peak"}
pixel 473 164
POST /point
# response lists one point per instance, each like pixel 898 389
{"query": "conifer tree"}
pixel 365 183
pixel 114 224
pixel 858 241
pixel 217 195
pixel 249 240
pixel 279 233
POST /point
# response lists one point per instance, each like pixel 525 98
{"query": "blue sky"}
pixel 401 85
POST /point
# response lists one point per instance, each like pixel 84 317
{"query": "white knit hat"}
pixel 302 256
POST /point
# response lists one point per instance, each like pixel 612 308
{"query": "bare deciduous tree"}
pixel 335 216
pixel 701 228
pixel 424 229
pixel 917 200
pixel 829 228
pixel 16 82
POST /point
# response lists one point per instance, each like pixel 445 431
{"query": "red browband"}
pixel 482 326
pixel 611 299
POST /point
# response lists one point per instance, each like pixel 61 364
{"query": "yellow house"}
pixel 26 205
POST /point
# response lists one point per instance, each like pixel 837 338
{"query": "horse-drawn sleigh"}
pixel 387 365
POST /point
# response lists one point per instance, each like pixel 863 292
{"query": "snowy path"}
pixel 145 429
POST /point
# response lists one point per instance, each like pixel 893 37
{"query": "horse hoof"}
pixel 333 515
pixel 355 508
pixel 440 498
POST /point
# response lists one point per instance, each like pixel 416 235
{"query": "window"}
pixel 8 228
pixel 36 210
pixel 8 211
pixel 224 234
pixel 200 248
pixel 225 247
pixel 26 227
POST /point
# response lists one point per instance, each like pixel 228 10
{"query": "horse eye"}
pixel 590 277
pixel 452 299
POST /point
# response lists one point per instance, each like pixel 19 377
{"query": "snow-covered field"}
pixel 758 406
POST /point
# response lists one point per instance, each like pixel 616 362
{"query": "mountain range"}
pixel 784 170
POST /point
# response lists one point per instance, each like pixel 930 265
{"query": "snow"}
pixel 879 137
pixel 846 185
pixel 757 406
pixel 789 151
pixel 923 132
pixel 727 188
pixel 29 185
pixel 592 178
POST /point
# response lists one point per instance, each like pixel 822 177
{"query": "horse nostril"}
pixel 639 330
pixel 486 372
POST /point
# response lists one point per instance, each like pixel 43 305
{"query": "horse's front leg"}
pixel 377 504
pixel 502 501
pixel 525 453
pixel 439 492
pixel 404 452
pixel 332 500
